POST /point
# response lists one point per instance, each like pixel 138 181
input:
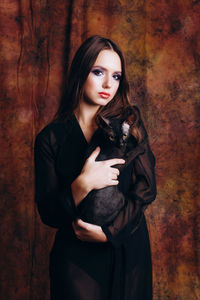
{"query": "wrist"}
pixel 84 182
pixel 79 189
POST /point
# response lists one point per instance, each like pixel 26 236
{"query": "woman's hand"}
pixel 95 175
pixel 88 232
pixel 99 174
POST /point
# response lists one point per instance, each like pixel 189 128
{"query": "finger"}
pixel 115 161
pixel 115 171
pixel 114 182
pixel 114 176
pixel 87 226
pixel 95 153
pixel 82 224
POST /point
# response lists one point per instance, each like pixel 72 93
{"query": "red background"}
pixel 161 41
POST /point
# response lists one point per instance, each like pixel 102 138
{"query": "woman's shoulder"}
pixel 54 132
pixel 54 127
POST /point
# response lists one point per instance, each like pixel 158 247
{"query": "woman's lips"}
pixel 104 95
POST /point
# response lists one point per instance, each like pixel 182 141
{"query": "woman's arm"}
pixel 89 232
pixel 95 175
pixel 55 202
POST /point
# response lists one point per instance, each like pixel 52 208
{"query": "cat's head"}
pixel 117 131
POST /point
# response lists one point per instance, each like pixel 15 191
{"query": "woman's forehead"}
pixel 109 60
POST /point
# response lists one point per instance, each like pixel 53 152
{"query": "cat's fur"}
pixel 116 141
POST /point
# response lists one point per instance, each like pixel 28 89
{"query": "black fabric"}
pixel 118 269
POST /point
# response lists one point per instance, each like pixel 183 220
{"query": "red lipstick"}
pixel 104 95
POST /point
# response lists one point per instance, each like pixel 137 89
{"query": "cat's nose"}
pixel 121 143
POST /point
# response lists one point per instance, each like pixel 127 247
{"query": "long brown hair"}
pixel 81 66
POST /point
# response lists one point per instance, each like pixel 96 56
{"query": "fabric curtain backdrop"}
pixel 161 41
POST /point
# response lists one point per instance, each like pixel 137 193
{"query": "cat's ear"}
pixel 125 127
pixel 130 117
pixel 103 122
pixel 125 130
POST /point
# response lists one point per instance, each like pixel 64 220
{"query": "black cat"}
pixel 116 141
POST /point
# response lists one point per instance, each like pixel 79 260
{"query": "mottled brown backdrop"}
pixel 161 41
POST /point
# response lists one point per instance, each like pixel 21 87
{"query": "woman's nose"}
pixel 107 83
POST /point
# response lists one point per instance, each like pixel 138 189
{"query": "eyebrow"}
pixel 118 72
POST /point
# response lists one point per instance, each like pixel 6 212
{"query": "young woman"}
pixel 88 261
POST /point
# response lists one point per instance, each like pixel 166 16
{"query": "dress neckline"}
pixel 81 131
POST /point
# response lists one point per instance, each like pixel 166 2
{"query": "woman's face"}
pixel 103 80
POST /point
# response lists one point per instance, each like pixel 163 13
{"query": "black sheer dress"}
pixel 119 269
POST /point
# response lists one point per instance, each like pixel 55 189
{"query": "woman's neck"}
pixel 85 114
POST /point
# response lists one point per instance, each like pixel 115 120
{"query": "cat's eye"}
pixel 111 138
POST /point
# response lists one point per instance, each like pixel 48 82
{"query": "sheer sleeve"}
pixel 141 193
pixel 54 201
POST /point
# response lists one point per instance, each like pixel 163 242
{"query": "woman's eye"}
pixel 97 72
pixel 117 76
